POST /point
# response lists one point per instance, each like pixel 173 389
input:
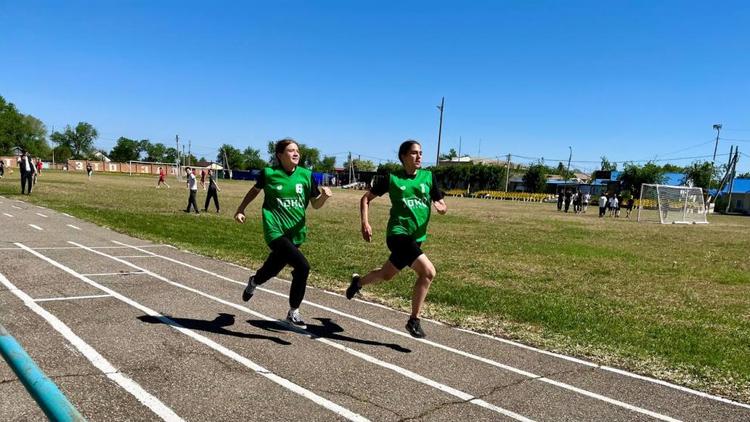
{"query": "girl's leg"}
pixel 425 274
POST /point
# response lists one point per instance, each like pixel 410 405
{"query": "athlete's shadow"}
pixel 328 329
pixel 215 326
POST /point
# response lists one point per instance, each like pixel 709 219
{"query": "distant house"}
pixel 740 200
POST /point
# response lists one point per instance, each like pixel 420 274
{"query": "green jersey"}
pixel 285 201
pixel 411 202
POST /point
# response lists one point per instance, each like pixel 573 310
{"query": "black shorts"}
pixel 404 250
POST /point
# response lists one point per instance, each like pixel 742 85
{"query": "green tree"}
pixel 633 176
pixel 23 131
pixel 360 165
pixel 671 168
pixel 606 165
pixel 308 157
pixel 450 155
pixel 80 141
pixel 535 178
pixel 125 150
pixel 251 159
pixel 700 173
pixel 391 167
pixel 234 157
pixel 155 152
pixel 327 164
pixel 170 155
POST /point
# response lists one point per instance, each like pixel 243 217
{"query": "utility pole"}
pixel 440 130
pixel 459 148
pixel 190 150
pixel 717 128
pixel 731 179
pixel 179 170
pixel 507 172
pixel 567 172
pixel 351 168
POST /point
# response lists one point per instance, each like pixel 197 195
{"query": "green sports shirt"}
pixel 286 197
pixel 411 201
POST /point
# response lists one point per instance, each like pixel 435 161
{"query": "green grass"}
pixel 666 301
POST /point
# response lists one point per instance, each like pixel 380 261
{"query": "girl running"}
pixel 412 192
pixel 162 178
pixel 287 190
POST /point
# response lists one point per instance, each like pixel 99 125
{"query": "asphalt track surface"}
pixel 131 330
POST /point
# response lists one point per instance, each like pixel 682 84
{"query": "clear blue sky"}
pixel 631 80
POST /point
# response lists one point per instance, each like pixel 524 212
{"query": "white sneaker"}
pixel 295 319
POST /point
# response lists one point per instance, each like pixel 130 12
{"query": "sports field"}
pixel 667 301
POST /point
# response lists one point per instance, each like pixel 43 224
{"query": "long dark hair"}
pixel 281 146
pixel 405 148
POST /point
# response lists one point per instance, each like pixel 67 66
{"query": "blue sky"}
pixel 632 80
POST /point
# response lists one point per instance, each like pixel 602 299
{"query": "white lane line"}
pixel 94 357
pixel 135 256
pixel 38 206
pixel 67 215
pixel 34 226
pixel 16 207
pixel 120 273
pixel 531 375
pixel 399 370
pixel 19 201
pixel 339 410
pixel 41 215
pixel 7 215
pixel 49 299
pixel 73 227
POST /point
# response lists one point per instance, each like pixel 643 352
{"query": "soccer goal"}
pixel 672 204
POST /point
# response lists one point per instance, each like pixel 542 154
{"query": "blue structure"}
pixel 54 404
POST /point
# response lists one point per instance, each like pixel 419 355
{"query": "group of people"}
pixel 613 203
pixel 579 200
pixel 288 189
pixel 192 185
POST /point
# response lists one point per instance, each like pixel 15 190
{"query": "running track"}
pixel 136 331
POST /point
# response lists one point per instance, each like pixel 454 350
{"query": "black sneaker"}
pixel 249 290
pixel 294 319
pixel 354 287
pixel 414 328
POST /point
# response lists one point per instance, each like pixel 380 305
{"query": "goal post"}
pixel 671 204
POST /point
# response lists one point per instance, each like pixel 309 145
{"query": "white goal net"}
pixel 671 205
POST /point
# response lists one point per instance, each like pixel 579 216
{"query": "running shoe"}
pixel 354 287
pixel 414 328
pixel 249 290
pixel 294 319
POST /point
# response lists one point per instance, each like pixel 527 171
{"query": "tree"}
pixel 125 150
pixel 606 165
pixel 535 178
pixel 251 159
pixel 80 141
pixel 633 176
pixel 327 164
pixel 360 165
pixel 308 157
pixel 155 152
pixel 234 157
pixel 391 167
pixel 700 173
pixel 671 168
pixel 450 155
pixel 170 155
pixel 744 176
pixel 23 131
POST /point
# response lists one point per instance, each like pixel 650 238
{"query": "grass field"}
pixel 666 301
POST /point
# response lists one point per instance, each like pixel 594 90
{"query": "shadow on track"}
pixel 214 326
pixel 328 329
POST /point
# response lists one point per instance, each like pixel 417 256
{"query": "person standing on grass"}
pixel 162 178
pixel 26 166
pixel 203 178
pixel 602 204
pixel 213 191
pixel 629 206
pixel 89 170
pixel 192 185
pixel 413 191
pixel 2 169
pixel 287 190
pixel 39 166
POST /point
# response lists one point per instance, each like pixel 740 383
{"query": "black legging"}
pixel 284 252
pixel 212 193
pixel 191 201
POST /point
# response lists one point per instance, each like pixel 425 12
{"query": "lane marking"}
pixel 135 256
pixel 16 207
pixel 120 273
pixel 36 227
pixel 7 215
pixel 74 227
pixel 339 410
pixel 399 370
pixel 94 357
pixel 49 299
pixel 67 215
pixel 518 371
pixel 41 215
